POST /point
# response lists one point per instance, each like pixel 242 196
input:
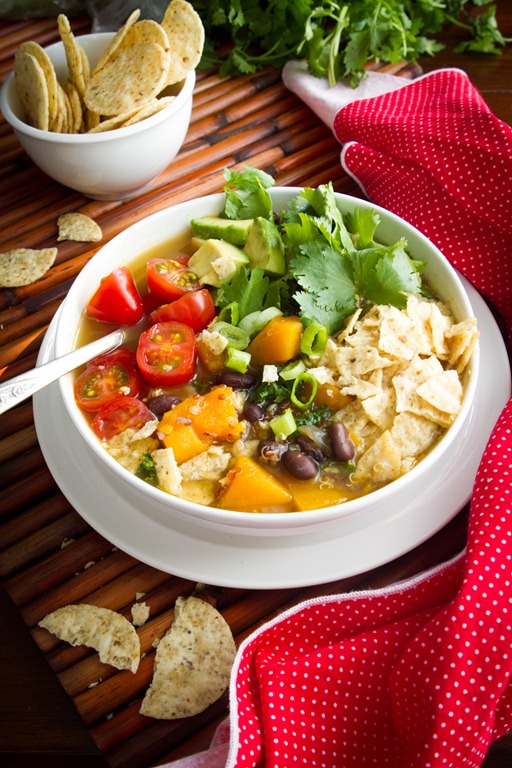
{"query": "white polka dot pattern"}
pixel 417 675
pixel 433 153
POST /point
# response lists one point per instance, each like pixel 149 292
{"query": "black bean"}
pixel 342 445
pixel 307 445
pixel 300 465
pixel 160 404
pixel 236 380
pixel 272 450
pixel 253 412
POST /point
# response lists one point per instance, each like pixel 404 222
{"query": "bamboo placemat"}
pixel 49 556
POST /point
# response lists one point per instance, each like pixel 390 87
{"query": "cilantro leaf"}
pixel 248 287
pixel 384 275
pixel 324 272
pixel 337 38
pixel 254 200
pixel 362 224
pixel 320 205
pixel 332 319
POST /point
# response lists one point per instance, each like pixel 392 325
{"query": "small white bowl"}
pixel 154 229
pixel 112 165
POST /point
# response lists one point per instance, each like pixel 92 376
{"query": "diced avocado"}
pixel 195 243
pixel 216 261
pixel 234 232
pixel 264 247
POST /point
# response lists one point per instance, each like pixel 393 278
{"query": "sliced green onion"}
pixel 283 425
pixel 236 337
pixel 292 370
pixel 305 383
pixel 314 339
pixel 256 321
pixel 237 359
pixel 230 313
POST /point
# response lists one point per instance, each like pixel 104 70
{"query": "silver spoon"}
pixel 21 387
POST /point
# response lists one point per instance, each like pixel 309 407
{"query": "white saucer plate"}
pixel 352 545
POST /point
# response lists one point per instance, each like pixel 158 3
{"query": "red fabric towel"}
pixel 418 675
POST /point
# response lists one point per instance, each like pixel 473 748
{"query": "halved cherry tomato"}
pixel 117 299
pixel 120 414
pixel 168 279
pixel 107 377
pixel 195 309
pixel 166 354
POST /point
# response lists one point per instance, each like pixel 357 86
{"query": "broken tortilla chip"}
pixel 108 632
pixel 193 662
pixel 78 227
pixel 23 266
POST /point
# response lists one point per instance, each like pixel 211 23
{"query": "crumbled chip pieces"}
pixel 23 266
pixel 128 83
pixel 78 227
pixel 402 372
pixel 108 632
pixel 193 662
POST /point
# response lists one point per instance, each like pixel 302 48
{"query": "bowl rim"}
pixel 301 519
pixel 100 137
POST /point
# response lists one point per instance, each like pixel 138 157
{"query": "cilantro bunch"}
pixel 339 38
pixel 334 264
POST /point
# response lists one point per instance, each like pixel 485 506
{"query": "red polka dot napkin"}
pixel 418 675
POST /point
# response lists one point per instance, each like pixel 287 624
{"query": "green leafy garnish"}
pixel 336 38
pixel 254 200
pixel 147 469
pixel 248 288
pixel 334 264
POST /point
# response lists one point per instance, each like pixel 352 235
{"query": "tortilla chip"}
pixel 398 335
pixel 32 90
pixel 144 32
pixel 186 37
pixel 74 54
pixel 78 227
pixel 23 266
pixel 151 108
pixel 50 77
pixel 413 434
pixel 381 463
pixel 443 391
pixel 77 117
pixel 193 662
pixel 131 78
pixel 407 382
pixel 108 632
pixel 116 40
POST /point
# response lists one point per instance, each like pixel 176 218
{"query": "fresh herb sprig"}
pixel 336 38
pixel 334 264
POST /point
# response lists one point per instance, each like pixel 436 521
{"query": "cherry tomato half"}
pixel 107 377
pixel 117 299
pixel 168 279
pixel 195 309
pixel 120 414
pixel 166 354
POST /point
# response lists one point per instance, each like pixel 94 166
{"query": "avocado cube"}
pixel 234 232
pixel 216 262
pixel 265 247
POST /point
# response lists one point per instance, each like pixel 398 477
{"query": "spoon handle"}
pixel 21 387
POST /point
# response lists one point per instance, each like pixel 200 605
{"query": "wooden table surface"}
pixel 53 711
